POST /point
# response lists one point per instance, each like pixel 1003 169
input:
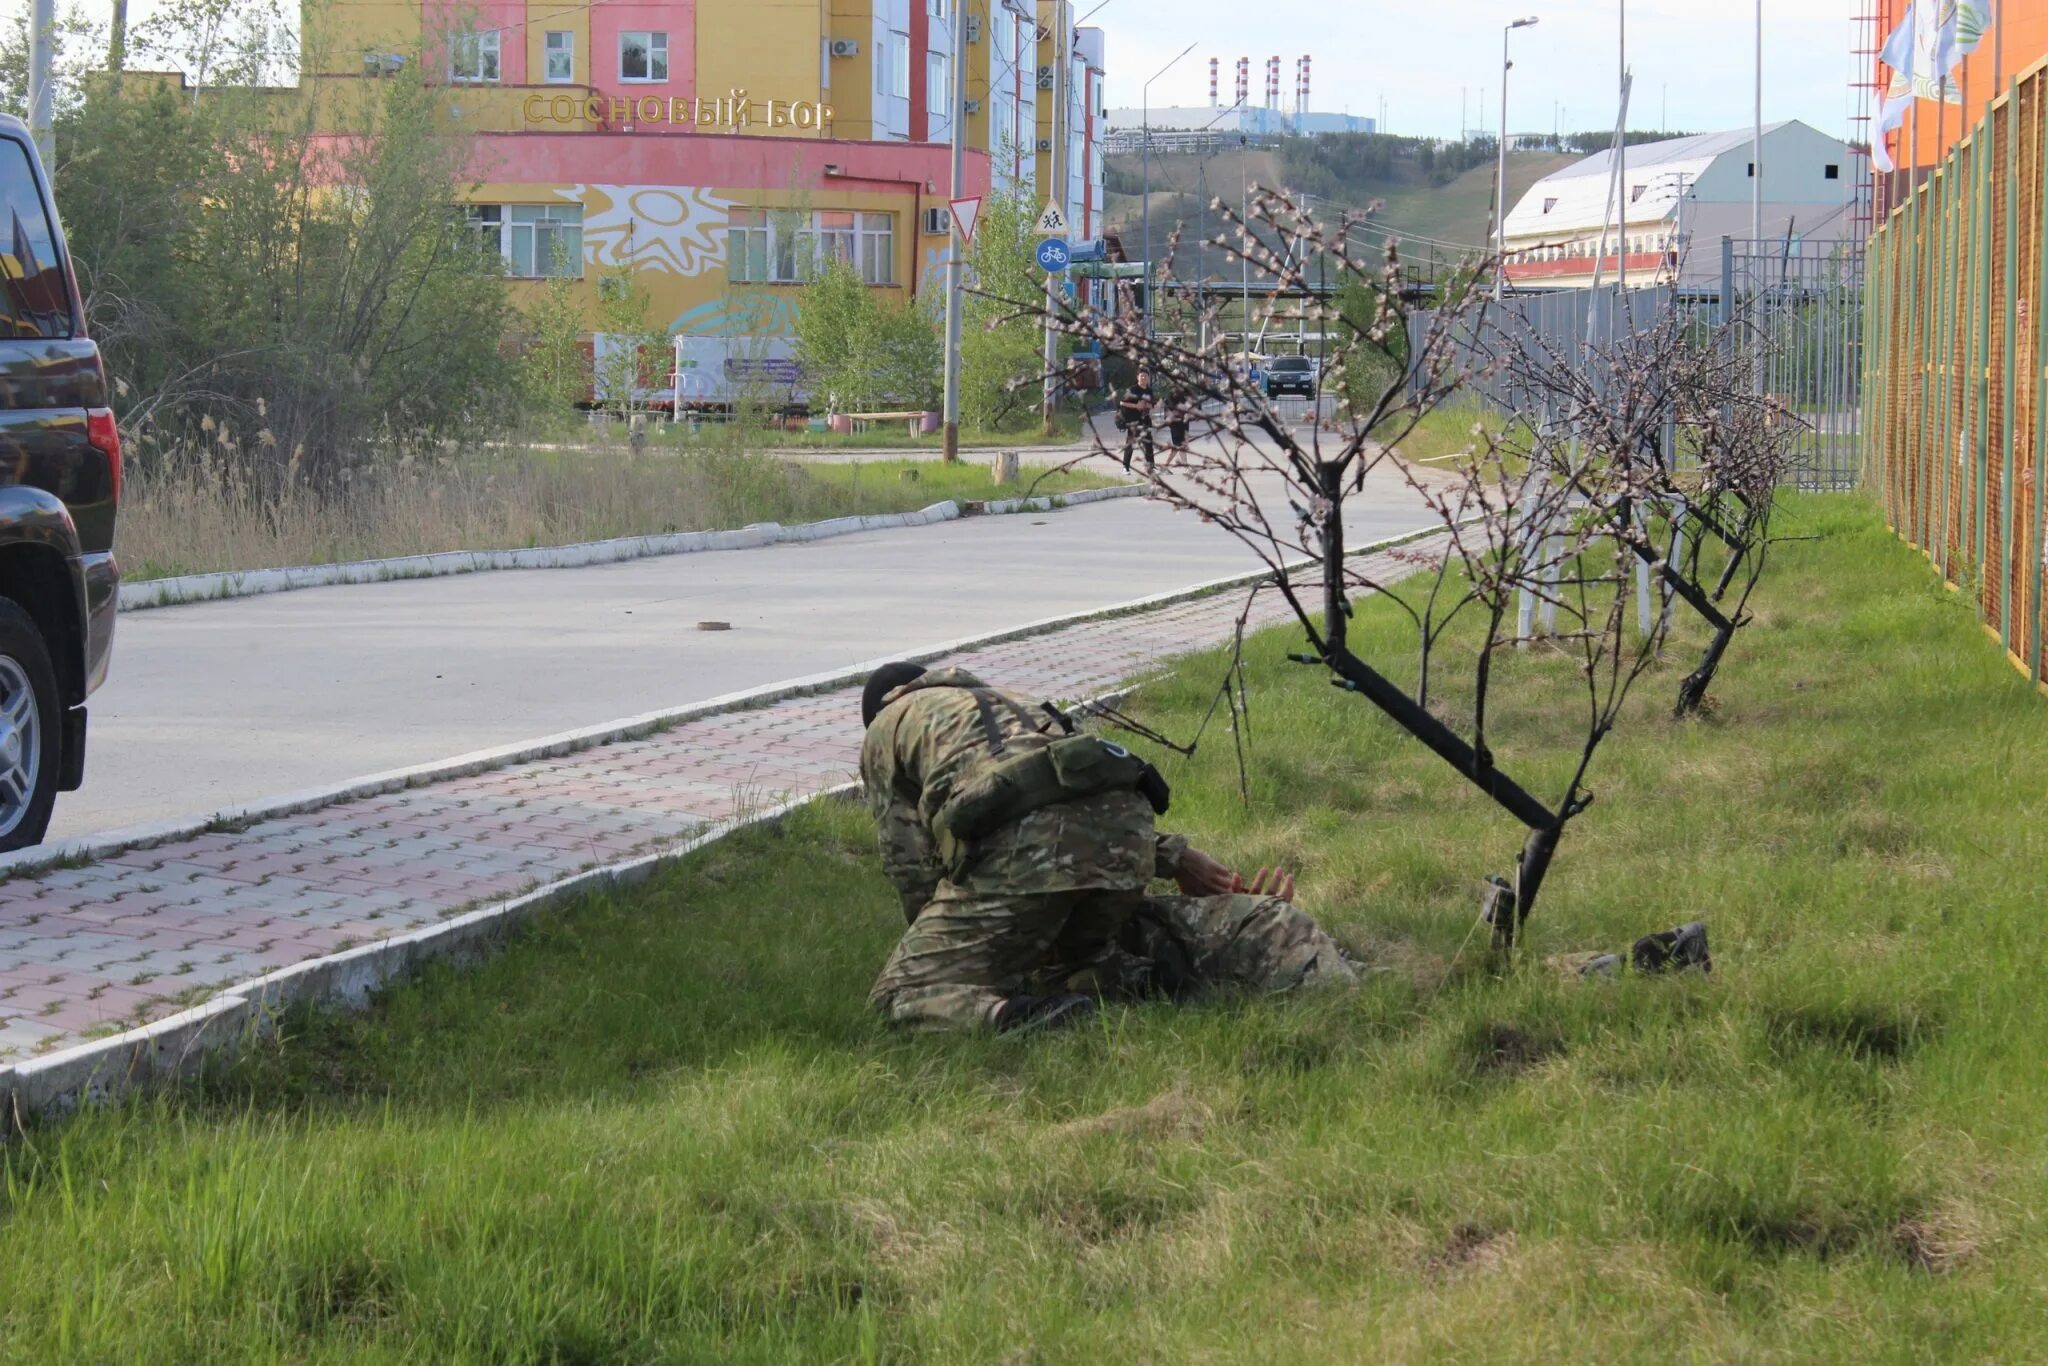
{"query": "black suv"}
pixel 1290 375
pixel 60 479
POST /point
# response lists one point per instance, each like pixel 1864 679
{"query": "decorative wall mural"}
pixel 745 314
pixel 676 230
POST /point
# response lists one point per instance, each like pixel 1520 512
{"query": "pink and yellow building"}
pixel 721 147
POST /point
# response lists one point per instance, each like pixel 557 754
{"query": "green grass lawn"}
pixel 1444 434
pixel 664 1127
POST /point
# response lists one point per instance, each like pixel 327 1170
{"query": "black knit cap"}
pixel 881 683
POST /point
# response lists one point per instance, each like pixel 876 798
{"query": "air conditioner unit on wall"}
pixel 938 222
pixel 1045 81
pixel 974 28
pixel 1045 144
pixel 973 106
pixel 845 47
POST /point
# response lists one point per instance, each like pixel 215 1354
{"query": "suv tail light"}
pixel 105 437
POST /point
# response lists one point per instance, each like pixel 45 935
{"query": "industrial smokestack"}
pixel 1273 83
pixel 1304 83
pixel 1215 71
pixel 1244 80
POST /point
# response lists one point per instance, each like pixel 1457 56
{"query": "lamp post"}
pixel 1145 98
pixel 956 115
pixel 1500 190
pixel 1060 174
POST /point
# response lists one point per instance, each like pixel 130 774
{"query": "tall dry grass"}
pixel 193 509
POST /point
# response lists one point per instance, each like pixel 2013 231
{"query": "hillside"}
pixel 1419 204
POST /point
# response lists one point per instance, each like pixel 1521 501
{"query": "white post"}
pixel 1621 165
pixel 954 263
pixel 42 42
pixel 1057 173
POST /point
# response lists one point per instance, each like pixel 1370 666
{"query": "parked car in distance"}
pixel 60 481
pixel 1290 375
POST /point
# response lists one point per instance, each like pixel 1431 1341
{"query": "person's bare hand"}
pixel 1276 882
pixel 1201 875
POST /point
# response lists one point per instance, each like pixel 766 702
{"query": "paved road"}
pixel 218 704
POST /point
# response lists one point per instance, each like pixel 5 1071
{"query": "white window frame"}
pixel 502 224
pixel 549 51
pixel 777 247
pixel 655 42
pixel 476 58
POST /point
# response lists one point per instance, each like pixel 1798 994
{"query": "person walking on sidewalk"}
pixel 1134 413
pixel 1022 855
pixel 1180 410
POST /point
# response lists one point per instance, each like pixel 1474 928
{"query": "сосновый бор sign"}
pixel 736 110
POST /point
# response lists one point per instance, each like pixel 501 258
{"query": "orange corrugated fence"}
pixel 1956 357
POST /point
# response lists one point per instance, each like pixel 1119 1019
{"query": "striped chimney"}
pixel 1215 69
pixel 1304 83
pixel 1244 80
pixel 1272 83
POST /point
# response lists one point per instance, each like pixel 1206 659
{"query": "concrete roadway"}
pixel 217 704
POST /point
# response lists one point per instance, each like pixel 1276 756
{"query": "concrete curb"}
pixel 174 1048
pixel 92 848
pixel 247 583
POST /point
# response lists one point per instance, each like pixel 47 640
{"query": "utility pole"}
pixel 1500 188
pixel 958 115
pixel 117 40
pixel 1056 193
pixel 1621 167
pixel 1756 141
pixel 42 43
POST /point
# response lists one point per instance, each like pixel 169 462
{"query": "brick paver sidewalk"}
pixel 89 951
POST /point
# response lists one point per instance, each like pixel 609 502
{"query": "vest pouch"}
pixel 1086 765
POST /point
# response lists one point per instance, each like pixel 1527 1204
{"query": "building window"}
pixel 786 248
pixel 892 66
pixel 1636 192
pixel 538 241
pixel 473 56
pixel 937 8
pixel 1549 204
pixel 561 56
pixel 938 84
pixel 746 247
pixel 878 248
pixel 1832 171
pixel 1752 170
pixel 643 56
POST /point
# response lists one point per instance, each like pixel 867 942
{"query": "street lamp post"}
pixel 1146 230
pixel 1500 190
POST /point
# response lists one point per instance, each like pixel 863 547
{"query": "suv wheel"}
pixel 31 724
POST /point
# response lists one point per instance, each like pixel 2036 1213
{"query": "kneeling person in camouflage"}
pixel 1022 854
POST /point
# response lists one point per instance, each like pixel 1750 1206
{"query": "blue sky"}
pixel 1692 57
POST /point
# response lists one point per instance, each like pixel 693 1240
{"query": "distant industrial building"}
pixel 1679 198
pixel 1172 124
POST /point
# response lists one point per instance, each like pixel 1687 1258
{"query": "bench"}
pixel 862 421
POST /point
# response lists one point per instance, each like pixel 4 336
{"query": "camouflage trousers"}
pixel 964 953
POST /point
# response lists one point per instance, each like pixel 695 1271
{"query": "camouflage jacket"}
pixel 929 735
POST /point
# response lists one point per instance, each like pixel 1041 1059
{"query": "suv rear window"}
pixel 33 300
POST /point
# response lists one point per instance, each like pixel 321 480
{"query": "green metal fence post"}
pixel 2038 542
pixel 1980 377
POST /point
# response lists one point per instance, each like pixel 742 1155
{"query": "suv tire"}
pixel 31 730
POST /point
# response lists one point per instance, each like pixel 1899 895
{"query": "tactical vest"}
pixel 1009 786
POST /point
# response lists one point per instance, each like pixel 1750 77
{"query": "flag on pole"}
pixel 1934 36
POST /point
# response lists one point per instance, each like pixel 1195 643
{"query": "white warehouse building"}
pixel 1680 198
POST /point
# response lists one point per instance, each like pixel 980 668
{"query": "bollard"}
pixel 1004 470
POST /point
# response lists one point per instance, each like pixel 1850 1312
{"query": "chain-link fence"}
pixel 1796 306
pixel 1957 312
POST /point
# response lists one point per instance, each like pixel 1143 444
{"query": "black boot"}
pixel 1022 1014
pixel 1674 950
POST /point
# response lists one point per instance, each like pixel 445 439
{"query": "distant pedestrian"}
pixel 1180 408
pixel 1134 411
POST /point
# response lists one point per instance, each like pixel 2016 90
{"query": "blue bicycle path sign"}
pixel 1053 254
